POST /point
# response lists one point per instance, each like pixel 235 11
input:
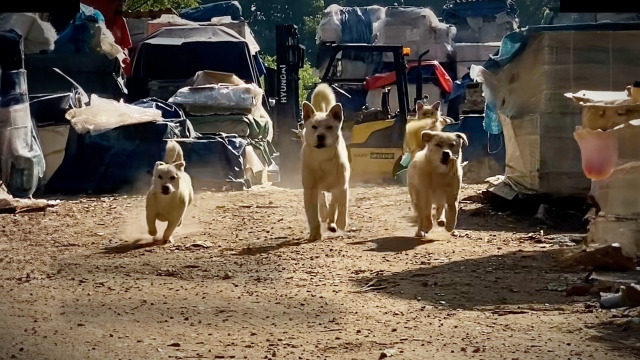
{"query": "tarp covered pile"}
pixel 525 86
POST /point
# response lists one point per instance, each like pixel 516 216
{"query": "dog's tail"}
pixel 412 136
pixel 173 153
pixel 323 98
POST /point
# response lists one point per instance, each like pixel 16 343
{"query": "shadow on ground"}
pixel 262 249
pixel 136 244
pixel 517 278
pixel 394 243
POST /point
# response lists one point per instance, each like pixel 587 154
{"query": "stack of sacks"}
pixel 339 24
pixel 526 102
pixel 221 102
pixel 419 29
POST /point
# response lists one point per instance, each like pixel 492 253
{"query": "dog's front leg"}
pixel 451 215
pixel 151 221
pixel 440 215
pixel 416 202
pixel 427 213
pixel 322 203
pixel 168 232
pixel 311 209
pixel 342 202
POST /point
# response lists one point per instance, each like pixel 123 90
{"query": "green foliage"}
pixel 307 75
pixel 307 79
pixel 143 5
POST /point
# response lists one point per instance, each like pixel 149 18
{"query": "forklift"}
pixel 374 136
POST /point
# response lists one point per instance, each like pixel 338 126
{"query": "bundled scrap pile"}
pixel 608 139
pixel 414 27
pixel 220 102
pixel 525 88
pixel 481 21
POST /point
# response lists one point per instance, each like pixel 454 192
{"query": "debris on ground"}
pixel 11 205
pixel 608 257
pixel 388 353
pixel 628 296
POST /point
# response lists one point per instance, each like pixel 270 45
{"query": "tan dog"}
pixel 171 192
pixel 325 162
pixel 427 118
pixel 435 177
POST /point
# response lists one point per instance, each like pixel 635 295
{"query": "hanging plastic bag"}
pixel 21 160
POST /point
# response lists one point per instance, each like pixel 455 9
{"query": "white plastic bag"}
pixel 220 97
pixel 106 114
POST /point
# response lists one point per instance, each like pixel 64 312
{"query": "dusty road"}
pixel 241 283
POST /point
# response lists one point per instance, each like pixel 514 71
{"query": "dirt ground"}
pixel 241 283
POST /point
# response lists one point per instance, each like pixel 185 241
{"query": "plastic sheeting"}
pixel 349 25
pixel 206 12
pixel 21 160
pixel 481 21
pixel 122 159
pixel 356 25
pixel 456 11
pixel 418 29
pixel 524 87
pixel 38 35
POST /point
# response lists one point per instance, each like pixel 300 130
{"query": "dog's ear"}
pixel 158 163
pixel 462 137
pixel 180 165
pixel 427 136
pixel 336 113
pixel 436 105
pixel 307 111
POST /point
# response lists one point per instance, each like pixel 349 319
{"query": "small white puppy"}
pixel 325 162
pixel 435 177
pixel 171 192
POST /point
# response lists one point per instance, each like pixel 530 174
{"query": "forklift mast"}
pixel 286 111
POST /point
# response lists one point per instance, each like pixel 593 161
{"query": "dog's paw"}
pixel 153 233
pixel 314 237
pixel 420 234
pixel 168 241
pixel 332 227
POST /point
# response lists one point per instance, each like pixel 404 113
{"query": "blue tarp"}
pixel 206 12
pixel 515 43
pixel 454 12
pixel 357 27
pixel 77 37
pixel 123 158
pixel 215 157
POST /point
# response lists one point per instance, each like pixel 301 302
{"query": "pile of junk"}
pixel 72 122
pixel 468 33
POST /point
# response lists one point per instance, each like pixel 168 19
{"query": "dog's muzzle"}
pixel 320 139
pixel 446 155
pixel 166 189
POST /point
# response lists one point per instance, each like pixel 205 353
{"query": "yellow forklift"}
pixel 374 135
